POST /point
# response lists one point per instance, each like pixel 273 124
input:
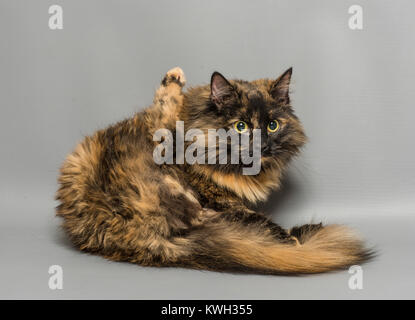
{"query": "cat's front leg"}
pixel 252 218
pixel 236 211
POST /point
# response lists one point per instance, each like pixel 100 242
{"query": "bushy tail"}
pixel 232 248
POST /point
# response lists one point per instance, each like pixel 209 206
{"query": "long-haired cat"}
pixel 115 200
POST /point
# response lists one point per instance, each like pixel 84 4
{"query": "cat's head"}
pixel 242 106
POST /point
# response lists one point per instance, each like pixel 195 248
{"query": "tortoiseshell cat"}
pixel 117 202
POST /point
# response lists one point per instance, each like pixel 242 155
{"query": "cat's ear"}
pixel 280 88
pixel 221 91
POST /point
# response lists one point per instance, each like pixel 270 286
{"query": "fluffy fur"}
pixel 115 201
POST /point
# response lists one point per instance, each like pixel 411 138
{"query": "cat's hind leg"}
pixel 167 101
pixel 175 75
pixel 170 90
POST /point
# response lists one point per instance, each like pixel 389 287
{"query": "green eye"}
pixel 273 126
pixel 240 126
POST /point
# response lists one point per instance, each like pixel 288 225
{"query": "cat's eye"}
pixel 273 126
pixel 240 126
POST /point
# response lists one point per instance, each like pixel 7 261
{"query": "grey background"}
pixel 352 89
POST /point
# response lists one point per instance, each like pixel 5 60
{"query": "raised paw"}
pixel 175 75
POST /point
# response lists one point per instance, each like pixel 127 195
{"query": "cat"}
pixel 115 201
